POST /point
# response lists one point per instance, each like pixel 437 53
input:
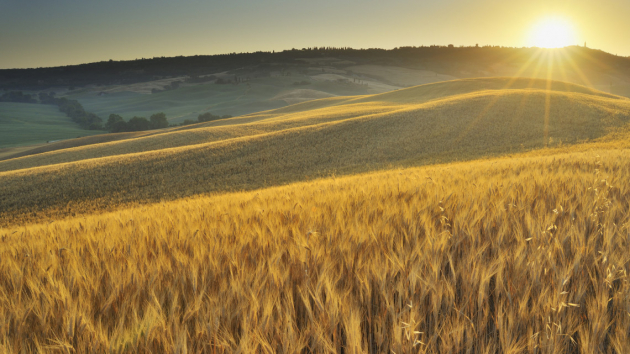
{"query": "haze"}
pixel 42 33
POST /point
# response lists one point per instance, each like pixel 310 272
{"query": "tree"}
pixel 17 96
pixel 47 98
pixel 158 121
pixel 137 124
pixel 93 122
pixel 116 124
pixel 206 117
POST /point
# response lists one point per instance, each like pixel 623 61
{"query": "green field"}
pixel 27 124
pixel 188 102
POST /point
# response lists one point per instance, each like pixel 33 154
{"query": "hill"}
pixel 505 255
pixel 256 84
pixel 240 84
pixel 190 100
pixel 596 66
pixel 409 127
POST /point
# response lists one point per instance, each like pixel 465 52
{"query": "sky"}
pixel 44 33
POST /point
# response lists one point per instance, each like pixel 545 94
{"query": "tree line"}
pixel 17 96
pixel 443 59
pixel 205 117
pixel 74 110
pixel 116 123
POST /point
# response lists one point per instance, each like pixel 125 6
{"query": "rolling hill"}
pixel 253 82
pixel 442 122
pixel 488 215
pixel 503 255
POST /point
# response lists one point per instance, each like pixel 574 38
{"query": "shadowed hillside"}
pixel 275 151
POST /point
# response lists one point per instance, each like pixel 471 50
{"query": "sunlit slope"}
pixel 469 126
pixel 356 104
pixel 190 135
pixel 419 98
pixel 73 143
pixel 509 255
pixel 425 93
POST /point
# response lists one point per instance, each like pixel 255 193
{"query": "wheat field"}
pixel 458 217
pixel 523 254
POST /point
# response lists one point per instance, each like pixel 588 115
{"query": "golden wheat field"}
pixel 472 216
pixel 525 254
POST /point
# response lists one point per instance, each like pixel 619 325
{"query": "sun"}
pixel 552 32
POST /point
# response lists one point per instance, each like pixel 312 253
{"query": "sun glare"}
pixel 552 33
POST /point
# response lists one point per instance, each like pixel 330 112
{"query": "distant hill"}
pixel 456 120
pixel 241 84
pixel 460 62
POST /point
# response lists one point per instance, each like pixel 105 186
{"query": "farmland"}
pixel 488 215
pixel 523 254
pixel 343 136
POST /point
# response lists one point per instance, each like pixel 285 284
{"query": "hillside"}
pixel 297 115
pixel 507 255
pixel 256 86
pixel 409 127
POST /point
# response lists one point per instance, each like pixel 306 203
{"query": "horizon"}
pixel 42 34
pixel 274 51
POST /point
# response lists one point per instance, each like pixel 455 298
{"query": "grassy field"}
pixel 365 224
pixel 189 101
pixel 522 254
pixel 262 93
pixel 28 124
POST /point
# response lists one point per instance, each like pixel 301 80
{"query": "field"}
pixel 32 123
pixel 527 254
pixel 478 215
pixel 410 127
pixel 191 100
pixel 28 124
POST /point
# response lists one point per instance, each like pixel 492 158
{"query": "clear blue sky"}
pixel 36 33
